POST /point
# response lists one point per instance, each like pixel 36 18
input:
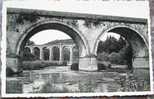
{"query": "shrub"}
pixel 103 65
pixel 117 58
pixel 103 56
pixel 75 66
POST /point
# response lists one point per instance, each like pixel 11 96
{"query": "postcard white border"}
pixel 3 73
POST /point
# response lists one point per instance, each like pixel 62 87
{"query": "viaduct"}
pixel 60 47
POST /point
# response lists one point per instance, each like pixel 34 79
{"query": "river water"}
pixel 63 80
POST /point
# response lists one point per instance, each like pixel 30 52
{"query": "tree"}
pixel 101 48
pixel 103 56
pixel 111 44
pixel 115 51
pixel 127 54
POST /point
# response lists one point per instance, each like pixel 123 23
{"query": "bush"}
pixel 75 66
pixel 104 65
pixel 116 58
pixel 103 56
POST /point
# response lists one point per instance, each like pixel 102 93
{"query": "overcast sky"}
pixel 132 8
pixel 138 9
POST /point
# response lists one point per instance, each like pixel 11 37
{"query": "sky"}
pixel 137 9
pixel 104 37
pixel 40 37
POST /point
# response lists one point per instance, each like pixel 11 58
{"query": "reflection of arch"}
pixel 130 34
pixel 37 52
pixel 45 53
pixel 77 36
pixel 56 53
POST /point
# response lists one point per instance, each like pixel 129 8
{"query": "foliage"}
pixel 116 58
pixel 115 51
pixel 127 54
pixel 103 56
pixel 110 45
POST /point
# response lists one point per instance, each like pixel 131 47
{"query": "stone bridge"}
pixel 84 29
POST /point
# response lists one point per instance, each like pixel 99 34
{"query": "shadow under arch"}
pixel 77 36
pixel 140 45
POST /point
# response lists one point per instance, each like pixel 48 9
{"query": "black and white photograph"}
pixel 76 48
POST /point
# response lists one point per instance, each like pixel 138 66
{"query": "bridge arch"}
pixel 76 35
pixel 137 41
pixel 117 29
